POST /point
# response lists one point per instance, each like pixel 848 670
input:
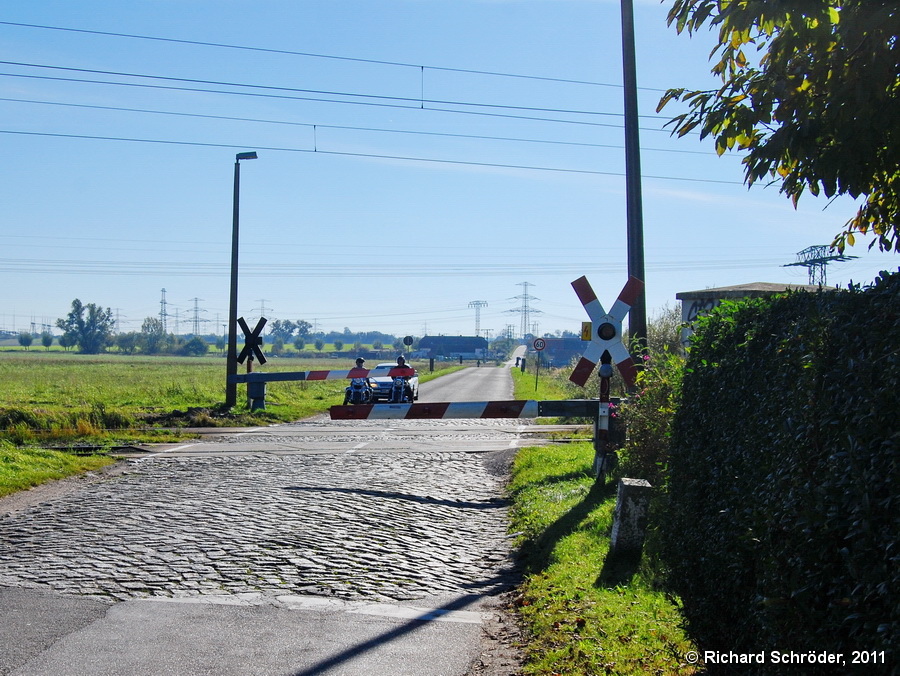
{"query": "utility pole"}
pixel 478 304
pixel 637 317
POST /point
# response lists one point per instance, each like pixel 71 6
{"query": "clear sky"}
pixel 414 156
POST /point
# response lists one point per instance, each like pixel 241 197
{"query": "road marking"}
pixel 357 447
pixel 168 450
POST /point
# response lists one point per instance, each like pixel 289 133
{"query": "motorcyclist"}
pixel 362 383
pixel 407 390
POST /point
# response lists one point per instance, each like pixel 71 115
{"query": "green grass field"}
pixel 52 395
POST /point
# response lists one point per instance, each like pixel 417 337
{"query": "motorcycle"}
pixel 400 391
pixel 358 392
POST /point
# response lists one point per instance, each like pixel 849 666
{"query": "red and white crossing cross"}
pixel 606 331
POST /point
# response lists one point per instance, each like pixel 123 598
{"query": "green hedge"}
pixel 782 509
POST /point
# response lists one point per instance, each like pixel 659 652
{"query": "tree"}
pixel 128 342
pixel 282 329
pixel 66 341
pixel 26 339
pixel 302 328
pixel 299 344
pixel 664 331
pixel 338 345
pixel 319 344
pixel 89 326
pixel 278 347
pixel 47 339
pixel 153 335
pixel 195 347
pixel 821 111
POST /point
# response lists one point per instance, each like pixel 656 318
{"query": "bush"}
pixel 782 507
pixel 195 347
pixel 648 418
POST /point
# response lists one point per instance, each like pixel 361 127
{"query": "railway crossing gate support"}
pixel 256 382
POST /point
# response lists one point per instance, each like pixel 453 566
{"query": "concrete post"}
pixel 256 396
pixel 630 520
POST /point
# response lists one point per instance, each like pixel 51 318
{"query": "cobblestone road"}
pixel 398 525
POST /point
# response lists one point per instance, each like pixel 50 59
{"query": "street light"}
pixel 231 358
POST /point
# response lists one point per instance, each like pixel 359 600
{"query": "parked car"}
pixel 381 387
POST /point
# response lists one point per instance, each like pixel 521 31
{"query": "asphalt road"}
pixel 319 547
pixel 487 383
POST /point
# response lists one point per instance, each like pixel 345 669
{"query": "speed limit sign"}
pixel 539 344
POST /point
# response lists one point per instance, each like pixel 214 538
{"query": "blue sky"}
pixel 412 171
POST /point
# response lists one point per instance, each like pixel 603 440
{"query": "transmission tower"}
pixel 525 310
pixel 262 307
pixel 163 312
pixel 478 304
pixel 197 311
pixel 815 259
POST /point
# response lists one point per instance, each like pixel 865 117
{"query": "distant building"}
pixel 467 347
pixel 561 351
pixel 696 303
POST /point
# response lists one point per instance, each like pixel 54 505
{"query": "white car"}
pixel 381 386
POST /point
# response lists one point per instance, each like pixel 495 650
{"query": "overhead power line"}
pixel 270 50
pixel 401 158
pixel 302 270
pixel 314 125
pixel 411 101
pixel 481 113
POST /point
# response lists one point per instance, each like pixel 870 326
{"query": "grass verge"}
pixel 585 612
pixel 24 468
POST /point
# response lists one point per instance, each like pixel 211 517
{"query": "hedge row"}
pixel 782 509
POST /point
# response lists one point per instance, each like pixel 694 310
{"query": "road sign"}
pixel 539 344
pixel 408 341
pixel 252 341
pixel 606 330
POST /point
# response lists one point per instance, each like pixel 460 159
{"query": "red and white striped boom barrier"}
pixel 261 377
pixel 606 328
pixel 520 408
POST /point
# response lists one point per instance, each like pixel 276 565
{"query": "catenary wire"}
pixel 415 102
pixel 308 98
pixel 314 125
pixel 270 50
pixel 401 158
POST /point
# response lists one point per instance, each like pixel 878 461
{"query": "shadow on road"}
pixel 407 627
pixel 492 503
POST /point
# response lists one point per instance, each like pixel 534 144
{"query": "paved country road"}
pixel 319 547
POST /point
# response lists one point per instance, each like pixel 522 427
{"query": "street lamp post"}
pixel 231 358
